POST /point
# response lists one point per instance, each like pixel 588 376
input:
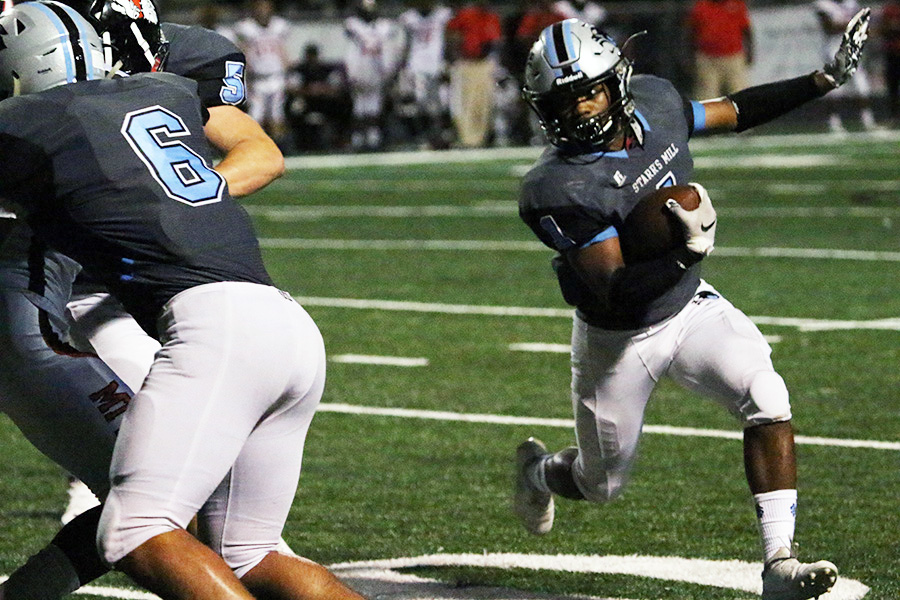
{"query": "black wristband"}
pixel 762 103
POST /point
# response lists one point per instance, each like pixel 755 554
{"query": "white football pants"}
pixel 219 425
pixel 709 347
pixel 68 406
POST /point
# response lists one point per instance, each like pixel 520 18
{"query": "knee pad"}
pixel 119 533
pixel 767 400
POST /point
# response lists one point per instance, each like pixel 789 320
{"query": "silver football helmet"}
pixel 569 61
pixel 45 44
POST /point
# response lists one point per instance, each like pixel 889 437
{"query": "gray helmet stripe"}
pixel 67 27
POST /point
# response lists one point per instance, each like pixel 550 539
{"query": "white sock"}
pixel 48 575
pixel 777 514
pixel 835 123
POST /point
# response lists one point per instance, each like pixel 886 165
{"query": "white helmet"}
pixel 45 44
pixel 567 62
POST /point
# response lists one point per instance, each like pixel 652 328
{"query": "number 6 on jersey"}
pixel 153 135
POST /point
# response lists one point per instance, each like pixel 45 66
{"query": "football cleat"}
pixel 786 578
pixel 81 499
pixel 533 507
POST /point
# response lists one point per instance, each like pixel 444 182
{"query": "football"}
pixel 650 229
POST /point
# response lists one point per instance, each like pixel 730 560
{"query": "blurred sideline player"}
pixel 263 38
pixel 425 23
pixel 251 160
pixel 116 174
pixel 615 139
pixel 833 17
pixel 372 62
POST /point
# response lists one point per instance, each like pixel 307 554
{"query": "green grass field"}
pixel 808 245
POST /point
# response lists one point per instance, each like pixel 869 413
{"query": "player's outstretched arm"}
pixel 846 59
pixel 760 104
pixel 252 160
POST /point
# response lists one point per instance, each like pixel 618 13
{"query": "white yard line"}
pixel 368 359
pixel 508 208
pixel 699 145
pixel 536 246
pixel 550 348
pixel 436 415
pixel 338 244
pixel 891 324
pixel 541 347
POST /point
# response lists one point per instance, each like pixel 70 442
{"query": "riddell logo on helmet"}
pixel 569 78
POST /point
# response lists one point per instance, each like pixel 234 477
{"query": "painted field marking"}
pixel 290 213
pixel 541 347
pixel 368 359
pixel 769 161
pixel 536 246
pixel 108 592
pixel 698 146
pixel 438 415
pixel 398 183
pixel 453 245
pixel 567 348
pixel 891 324
pixel 508 208
pixel 728 574
pixel 381 578
pixel 754 161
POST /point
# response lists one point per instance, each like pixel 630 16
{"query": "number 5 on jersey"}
pixel 153 133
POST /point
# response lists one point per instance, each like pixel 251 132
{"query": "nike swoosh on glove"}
pixel 699 224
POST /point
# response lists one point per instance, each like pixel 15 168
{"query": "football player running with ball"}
pixel 616 138
pixel 116 175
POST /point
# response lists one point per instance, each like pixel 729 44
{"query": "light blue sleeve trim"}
pixel 609 232
pixel 643 121
pixel 699 116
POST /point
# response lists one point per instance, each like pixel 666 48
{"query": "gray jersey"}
pixel 570 200
pixel 210 59
pixel 116 174
pixel 218 67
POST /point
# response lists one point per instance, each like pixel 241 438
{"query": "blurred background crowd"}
pixel 373 75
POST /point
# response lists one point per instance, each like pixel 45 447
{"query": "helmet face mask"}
pixel 46 44
pixel 131 33
pixel 570 62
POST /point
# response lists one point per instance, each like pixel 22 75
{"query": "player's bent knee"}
pixel 242 558
pixel 767 400
pixel 120 532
